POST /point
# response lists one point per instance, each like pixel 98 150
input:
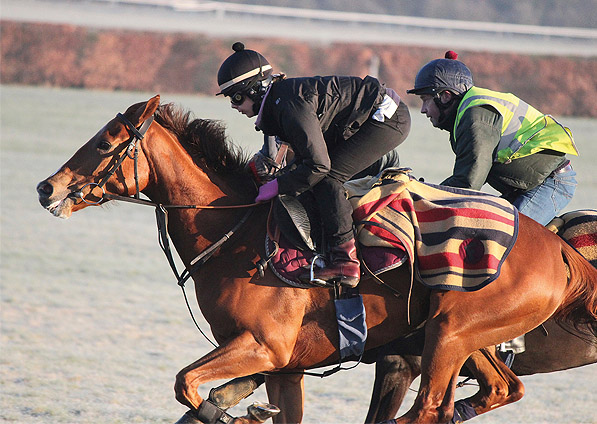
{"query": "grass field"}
pixel 93 326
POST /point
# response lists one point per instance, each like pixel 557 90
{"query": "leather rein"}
pixel 161 211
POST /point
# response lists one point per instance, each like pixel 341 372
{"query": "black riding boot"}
pixel 344 266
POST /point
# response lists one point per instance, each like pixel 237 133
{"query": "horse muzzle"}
pixel 59 205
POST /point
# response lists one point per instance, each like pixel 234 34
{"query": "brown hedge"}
pixel 70 56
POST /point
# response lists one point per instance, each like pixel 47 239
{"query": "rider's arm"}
pixel 303 132
pixel 476 138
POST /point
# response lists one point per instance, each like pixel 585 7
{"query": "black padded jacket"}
pixel 312 115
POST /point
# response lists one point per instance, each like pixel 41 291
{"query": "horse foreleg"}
pixel 287 391
pixel 393 376
pixel 498 385
pixel 240 356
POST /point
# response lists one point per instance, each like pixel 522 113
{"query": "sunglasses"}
pixel 237 98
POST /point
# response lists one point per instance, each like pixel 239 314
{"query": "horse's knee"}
pixel 498 394
pixel 443 413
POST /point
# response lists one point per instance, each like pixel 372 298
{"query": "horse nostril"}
pixel 45 189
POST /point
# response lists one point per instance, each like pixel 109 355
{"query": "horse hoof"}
pixel 188 418
pixel 262 411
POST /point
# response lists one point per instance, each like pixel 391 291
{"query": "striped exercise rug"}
pixel 579 229
pixel 456 239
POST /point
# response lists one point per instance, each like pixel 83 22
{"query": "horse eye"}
pixel 104 145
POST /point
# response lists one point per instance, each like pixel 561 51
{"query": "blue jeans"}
pixel 544 202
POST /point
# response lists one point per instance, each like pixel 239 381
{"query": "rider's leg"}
pixel 349 157
pixel 336 214
pixel 549 198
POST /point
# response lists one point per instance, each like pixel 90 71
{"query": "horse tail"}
pixel 579 307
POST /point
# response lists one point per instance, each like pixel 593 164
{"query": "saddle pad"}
pixel 289 263
pixel 456 239
pixel 579 229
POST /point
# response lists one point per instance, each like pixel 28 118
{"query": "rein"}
pixel 139 201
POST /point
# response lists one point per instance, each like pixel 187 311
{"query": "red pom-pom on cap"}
pixel 450 54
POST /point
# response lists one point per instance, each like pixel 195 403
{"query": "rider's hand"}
pixel 267 191
pixel 262 168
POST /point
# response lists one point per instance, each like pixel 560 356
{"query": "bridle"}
pixel 136 136
pixel 161 210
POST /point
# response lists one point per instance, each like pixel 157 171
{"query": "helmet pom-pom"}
pixel 238 46
pixel 450 54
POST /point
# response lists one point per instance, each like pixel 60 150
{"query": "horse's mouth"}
pixel 62 208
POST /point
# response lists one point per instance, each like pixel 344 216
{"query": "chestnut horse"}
pixel 263 325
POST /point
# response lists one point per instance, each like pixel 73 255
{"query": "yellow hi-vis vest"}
pixel 525 130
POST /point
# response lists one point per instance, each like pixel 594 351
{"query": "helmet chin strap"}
pixel 259 90
pixel 447 111
pixel 256 107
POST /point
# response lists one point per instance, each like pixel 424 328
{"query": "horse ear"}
pixel 151 107
pixel 144 110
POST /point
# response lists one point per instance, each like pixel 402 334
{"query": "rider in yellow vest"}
pixel 524 131
pixel 500 140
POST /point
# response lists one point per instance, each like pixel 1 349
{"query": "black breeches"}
pixel 361 151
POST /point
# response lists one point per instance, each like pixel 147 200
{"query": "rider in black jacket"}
pixel 337 126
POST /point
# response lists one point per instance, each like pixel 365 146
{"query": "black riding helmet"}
pixel 244 73
pixel 443 74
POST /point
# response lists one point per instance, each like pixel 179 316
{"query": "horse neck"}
pixel 175 179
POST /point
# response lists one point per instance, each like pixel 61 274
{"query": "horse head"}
pixel 100 165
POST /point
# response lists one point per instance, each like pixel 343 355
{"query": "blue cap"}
pixel 443 74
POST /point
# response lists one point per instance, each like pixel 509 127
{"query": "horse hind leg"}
pixel 393 376
pixel 440 366
pixel 454 330
pixel 498 386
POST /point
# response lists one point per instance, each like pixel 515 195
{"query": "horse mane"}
pixel 580 304
pixel 204 139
